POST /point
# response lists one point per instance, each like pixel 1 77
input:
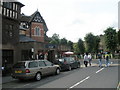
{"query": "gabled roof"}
pixel 29 19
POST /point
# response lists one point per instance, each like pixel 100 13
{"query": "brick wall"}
pixel 38 38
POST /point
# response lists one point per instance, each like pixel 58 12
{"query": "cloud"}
pixel 73 19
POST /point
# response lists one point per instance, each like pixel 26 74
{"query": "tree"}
pixel 92 43
pixel 118 35
pixel 55 39
pixel 96 44
pixel 111 39
pixel 70 43
pixel 63 41
pixel 81 46
pixel 89 40
pixel 75 47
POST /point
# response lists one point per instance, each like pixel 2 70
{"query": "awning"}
pixel 69 53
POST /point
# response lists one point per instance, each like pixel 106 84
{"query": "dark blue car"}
pixel 68 63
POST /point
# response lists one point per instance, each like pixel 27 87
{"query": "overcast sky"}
pixel 73 19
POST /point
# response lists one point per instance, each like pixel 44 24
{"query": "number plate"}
pixel 18 71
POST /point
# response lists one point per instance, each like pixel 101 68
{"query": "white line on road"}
pixel 79 82
pixel 22 86
pixel 26 84
pixel 100 70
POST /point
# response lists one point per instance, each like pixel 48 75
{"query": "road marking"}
pixel 118 87
pixel 22 85
pixel 79 82
pixel 26 84
pixel 100 70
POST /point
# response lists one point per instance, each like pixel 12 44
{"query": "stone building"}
pixel 10 31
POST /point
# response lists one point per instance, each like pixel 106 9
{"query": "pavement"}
pixel 6 79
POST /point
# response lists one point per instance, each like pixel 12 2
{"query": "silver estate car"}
pixel 34 69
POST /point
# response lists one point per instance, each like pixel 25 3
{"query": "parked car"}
pixel 68 63
pixel 34 69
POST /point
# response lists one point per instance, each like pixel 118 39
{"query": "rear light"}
pixel 27 71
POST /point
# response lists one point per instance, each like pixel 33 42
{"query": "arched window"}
pixel 37 31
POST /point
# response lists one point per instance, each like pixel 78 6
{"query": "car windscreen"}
pixel 19 65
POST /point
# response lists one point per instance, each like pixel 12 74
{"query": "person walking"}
pixel 86 59
pixel 107 59
pixel 90 58
pixel 99 56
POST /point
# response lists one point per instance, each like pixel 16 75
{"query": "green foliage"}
pixel 55 39
pixel 96 43
pixel 81 47
pixel 75 47
pixel 89 39
pixel 118 35
pixel 111 39
pixel 70 43
pixel 92 42
pixel 63 41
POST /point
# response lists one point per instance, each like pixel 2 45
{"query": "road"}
pixel 84 77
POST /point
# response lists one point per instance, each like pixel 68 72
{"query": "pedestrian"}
pixel 90 58
pixel 107 59
pixel 86 59
pixel 99 56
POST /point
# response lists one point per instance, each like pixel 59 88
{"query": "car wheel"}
pixel 38 77
pixel 57 71
pixel 69 68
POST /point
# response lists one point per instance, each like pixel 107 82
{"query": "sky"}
pixel 73 19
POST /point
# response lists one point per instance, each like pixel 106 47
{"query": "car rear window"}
pixel 19 65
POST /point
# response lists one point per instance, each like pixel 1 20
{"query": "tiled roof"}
pixel 25 18
pixel 24 38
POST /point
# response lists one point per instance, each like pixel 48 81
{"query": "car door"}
pixel 43 68
pixel 33 67
pixel 50 67
pixel 74 64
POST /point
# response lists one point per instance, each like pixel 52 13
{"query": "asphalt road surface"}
pixel 84 77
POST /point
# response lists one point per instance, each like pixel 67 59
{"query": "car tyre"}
pixel 57 71
pixel 69 68
pixel 38 77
